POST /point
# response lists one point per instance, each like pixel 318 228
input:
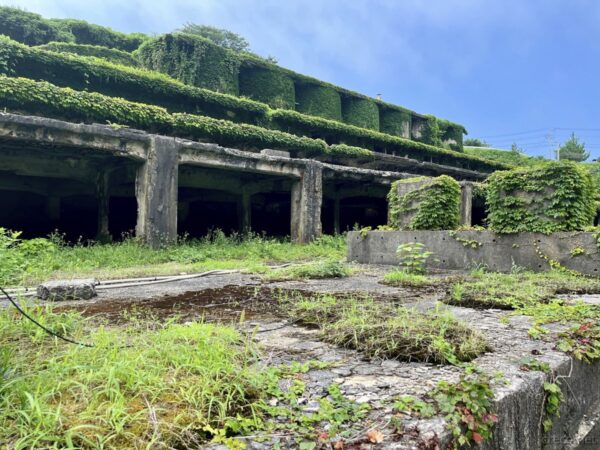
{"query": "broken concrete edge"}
pixel 59 290
pixel 464 250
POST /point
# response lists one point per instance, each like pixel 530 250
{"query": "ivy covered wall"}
pixel 394 122
pixel 423 203
pixel 192 60
pixel 555 196
pixel 360 112
pixel 97 51
pixel 268 86
pixel 320 101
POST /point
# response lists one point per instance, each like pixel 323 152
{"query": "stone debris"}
pixel 68 290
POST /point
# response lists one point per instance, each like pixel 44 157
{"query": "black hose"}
pixel 47 330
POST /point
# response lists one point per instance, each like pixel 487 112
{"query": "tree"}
pixel 219 36
pixel 573 150
pixel 476 143
pixel 516 149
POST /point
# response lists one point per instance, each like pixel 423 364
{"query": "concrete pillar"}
pixel 466 203
pixel 102 194
pixel 156 192
pixel 336 215
pixel 53 207
pixel 307 196
pixel 245 212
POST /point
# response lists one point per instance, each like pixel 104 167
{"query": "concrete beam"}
pixel 114 141
pixel 212 155
pixel 156 192
pixel 307 197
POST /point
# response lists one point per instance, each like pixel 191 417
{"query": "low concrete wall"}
pixel 578 251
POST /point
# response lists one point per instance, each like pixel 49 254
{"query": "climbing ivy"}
pixel 110 54
pixel 395 122
pixel 321 101
pixel 192 60
pixel 556 196
pixel 268 86
pixel 435 205
pixel 360 112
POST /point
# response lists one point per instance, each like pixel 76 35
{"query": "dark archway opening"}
pixel 122 217
pixel 478 212
pixel 271 213
pixel 362 212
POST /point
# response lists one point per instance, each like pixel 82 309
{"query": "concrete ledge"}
pixel 458 250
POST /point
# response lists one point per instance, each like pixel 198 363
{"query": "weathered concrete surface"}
pixel 458 250
pixel 62 290
pixel 307 197
pixel 518 402
pixel 402 189
pixel 156 192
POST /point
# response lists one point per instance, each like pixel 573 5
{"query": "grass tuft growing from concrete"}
pixel 384 330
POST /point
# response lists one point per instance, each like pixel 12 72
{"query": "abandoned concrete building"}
pixel 96 149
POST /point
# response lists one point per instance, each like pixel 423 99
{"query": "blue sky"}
pixel 510 71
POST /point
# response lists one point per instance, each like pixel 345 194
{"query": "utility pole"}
pixel 554 151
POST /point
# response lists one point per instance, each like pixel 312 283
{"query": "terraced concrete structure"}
pixel 189 159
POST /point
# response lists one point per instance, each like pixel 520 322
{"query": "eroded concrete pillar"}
pixel 156 193
pixel 102 194
pixel 307 197
pixel 466 203
pixel 245 212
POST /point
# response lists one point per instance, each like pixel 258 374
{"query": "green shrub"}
pixel 321 101
pixel 434 205
pixel 395 122
pixel 192 60
pixel 556 196
pixel 91 34
pixel 110 54
pixel 360 112
pixel 268 86
pixel 30 28
pixel 131 83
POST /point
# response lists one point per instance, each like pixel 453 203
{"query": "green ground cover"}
pixel 26 262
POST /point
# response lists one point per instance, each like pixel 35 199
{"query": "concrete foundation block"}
pixel 465 250
pixel 67 290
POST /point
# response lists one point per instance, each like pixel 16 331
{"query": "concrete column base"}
pixel 156 191
pixel 307 197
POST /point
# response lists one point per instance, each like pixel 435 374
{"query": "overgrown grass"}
pixel 173 385
pixel 383 330
pixel 535 295
pixel 313 270
pixel 153 385
pixel 520 290
pixel 29 262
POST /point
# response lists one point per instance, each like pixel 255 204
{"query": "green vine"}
pixel 556 196
pixel 435 205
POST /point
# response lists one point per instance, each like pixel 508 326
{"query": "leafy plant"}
pixel 413 258
pixel 433 205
